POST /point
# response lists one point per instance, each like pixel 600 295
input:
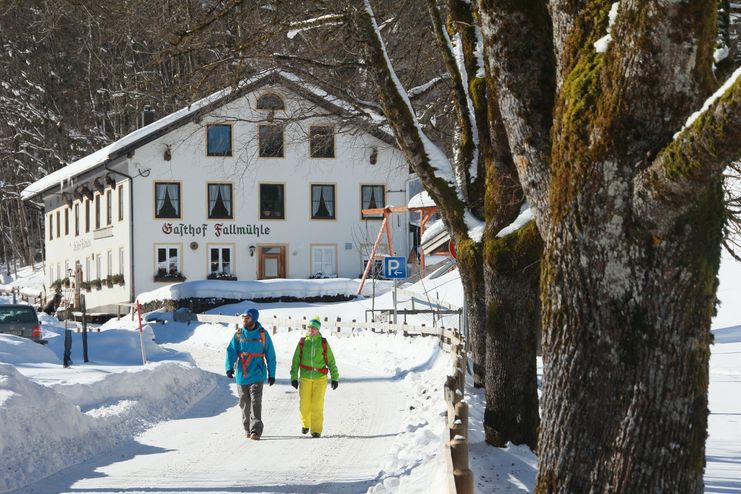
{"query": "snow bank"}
pixel 54 417
pixel 256 289
pixel 45 429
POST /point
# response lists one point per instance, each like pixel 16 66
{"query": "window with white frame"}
pixel 109 266
pixel 167 200
pixel 168 260
pixel 51 227
pixel 323 261
pixel 322 202
pixel 372 197
pixel 87 269
pixel 120 260
pixel 220 261
pixel 220 201
pixel 98 262
pixel 77 219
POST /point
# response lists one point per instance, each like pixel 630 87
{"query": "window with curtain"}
pixel 322 202
pixel 166 200
pixel 372 196
pixel 220 201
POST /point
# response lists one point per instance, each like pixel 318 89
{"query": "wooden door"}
pixel 271 262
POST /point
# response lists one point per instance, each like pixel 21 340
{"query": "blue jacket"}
pixel 245 342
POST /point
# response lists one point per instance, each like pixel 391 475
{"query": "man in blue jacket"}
pixel 249 350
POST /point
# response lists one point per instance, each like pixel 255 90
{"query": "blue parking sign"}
pixel 395 267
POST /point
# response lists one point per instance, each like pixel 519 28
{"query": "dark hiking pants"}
pixel 250 402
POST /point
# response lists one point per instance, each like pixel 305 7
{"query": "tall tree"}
pixel 629 204
pixel 479 183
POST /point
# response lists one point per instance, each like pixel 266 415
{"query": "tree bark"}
pixel 628 287
pixel 512 271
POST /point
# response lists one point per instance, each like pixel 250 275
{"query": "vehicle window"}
pixel 18 314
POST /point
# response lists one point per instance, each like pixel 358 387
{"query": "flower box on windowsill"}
pixel 222 277
pixel 165 277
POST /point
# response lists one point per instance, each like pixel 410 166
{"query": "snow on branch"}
pixel 317 22
pixel 435 156
pixel 697 156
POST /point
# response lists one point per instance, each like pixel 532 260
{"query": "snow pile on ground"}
pixel 29 280
pixel 54 417
pixel 246 290
pixel 416 463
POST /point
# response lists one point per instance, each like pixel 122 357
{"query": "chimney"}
pixel 147 115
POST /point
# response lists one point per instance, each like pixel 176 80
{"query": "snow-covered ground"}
pixel 172 425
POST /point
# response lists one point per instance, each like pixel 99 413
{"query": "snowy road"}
pixel 206 451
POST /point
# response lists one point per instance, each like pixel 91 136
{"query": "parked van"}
pixel 20 320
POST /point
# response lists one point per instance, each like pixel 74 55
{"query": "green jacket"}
pixel 313 356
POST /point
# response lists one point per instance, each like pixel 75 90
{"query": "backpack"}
pixel 324 370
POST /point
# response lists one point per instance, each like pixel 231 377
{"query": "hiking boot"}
pixel 254 437
pixel 316 434
pixel 304 430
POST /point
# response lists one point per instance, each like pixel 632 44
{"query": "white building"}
pixel 263 181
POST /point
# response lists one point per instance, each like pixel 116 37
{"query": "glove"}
pixel 230 373
pixel 271 381
pixel 335 384
pixel 294 383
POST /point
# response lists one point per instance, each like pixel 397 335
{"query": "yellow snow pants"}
pixel 311 396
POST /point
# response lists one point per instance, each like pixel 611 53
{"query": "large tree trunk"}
pixel 627 340
pixel 512 272
pixel 631 218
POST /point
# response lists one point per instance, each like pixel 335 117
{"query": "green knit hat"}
pixel 316 322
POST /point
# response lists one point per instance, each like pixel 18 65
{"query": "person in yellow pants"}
pixel 312 361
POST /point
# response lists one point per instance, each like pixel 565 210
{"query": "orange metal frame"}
pixel 426 213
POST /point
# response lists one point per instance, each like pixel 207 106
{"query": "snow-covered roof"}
pixel 65 175
pixel 421 200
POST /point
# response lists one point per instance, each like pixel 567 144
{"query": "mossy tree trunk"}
pixel 632 221
pixel 486 187
pixel 512 271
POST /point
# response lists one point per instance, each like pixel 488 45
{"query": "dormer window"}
pixel 270 102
